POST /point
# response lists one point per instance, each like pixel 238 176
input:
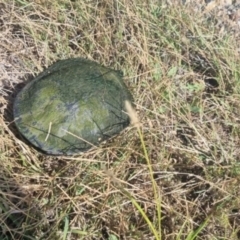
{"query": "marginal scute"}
pixel 70 107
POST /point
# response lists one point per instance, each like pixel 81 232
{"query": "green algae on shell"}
pixel 73 105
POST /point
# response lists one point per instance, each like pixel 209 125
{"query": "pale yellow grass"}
pixel 184 76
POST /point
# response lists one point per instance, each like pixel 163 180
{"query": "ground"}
pixel 175 172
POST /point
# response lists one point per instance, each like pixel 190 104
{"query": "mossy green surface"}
pixel 73 105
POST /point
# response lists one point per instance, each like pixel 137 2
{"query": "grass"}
pixel 175 175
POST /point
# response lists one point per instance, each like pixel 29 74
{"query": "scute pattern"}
pixel 70 107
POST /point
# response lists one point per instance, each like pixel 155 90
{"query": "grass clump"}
pixel 175 176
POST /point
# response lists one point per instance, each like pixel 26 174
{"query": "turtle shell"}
pixel 73 105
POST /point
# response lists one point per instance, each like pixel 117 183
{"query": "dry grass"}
pixel 184 75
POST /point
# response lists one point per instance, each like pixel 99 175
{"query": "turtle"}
pixel 72 106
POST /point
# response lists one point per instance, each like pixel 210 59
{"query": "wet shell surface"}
pixel 72 106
